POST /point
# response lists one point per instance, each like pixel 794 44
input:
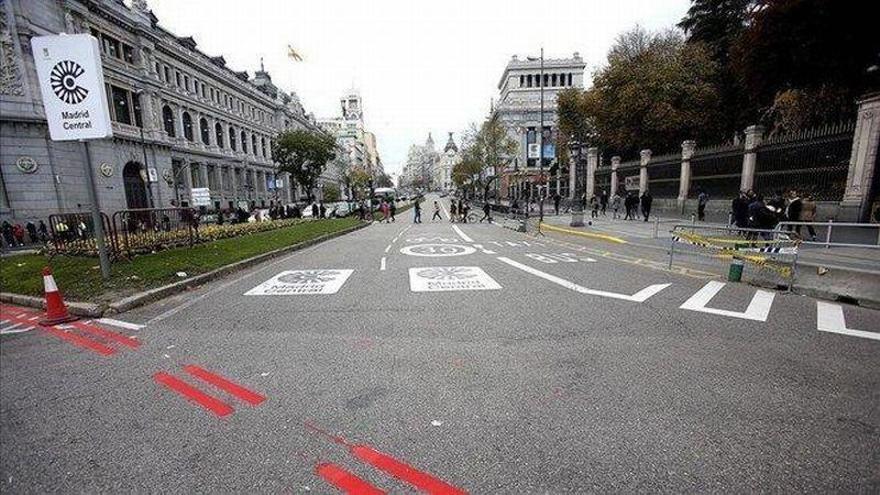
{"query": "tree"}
pixel 357 180
pixel 654 92
pixel 486 147
pixel 383 180
pixel 303 154
pixel 575 119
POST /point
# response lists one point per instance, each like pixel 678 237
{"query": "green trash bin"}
pixel 736 271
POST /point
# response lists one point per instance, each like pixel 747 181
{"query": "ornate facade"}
pixel 181 118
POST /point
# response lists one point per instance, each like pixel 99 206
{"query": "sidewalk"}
pixel 839 273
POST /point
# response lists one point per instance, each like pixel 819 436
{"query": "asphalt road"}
pixel 510 365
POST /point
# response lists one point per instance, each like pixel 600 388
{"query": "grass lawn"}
pixel 79 278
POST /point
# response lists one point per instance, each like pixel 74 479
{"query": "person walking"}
pixel 18 233
pixel 464 209
pixel 44 232
pixel 322 210
pixel 702 201
pixel 603 201
pixel 615 206
pixel 392 209
pixel 739 210
pixel 32 232
pixel 594 207
pixel 556 199
pixel 452 211
pixel 461 216
pixel 808 214
pixel 315 210
pixel 417 216
pixel 487 212
pixel 646 201
pixel 385 211
pixel 629 204
pixel 7 234
pixel 436 215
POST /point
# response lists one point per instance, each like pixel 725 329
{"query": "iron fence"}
pixel 74 233
pixel 145 230
pixel 717 170
pixel 664 176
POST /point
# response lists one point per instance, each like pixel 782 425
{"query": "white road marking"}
pixel 450 278
pixel 640 296
pixel 14 329
pixel 437 250
pixel 382 264
pixel 461 234
pixel 120 323
pixel 388 248
pixel 829 318
pixel 758 310
pixel 445 212
pixel 484 250
pixel 302 282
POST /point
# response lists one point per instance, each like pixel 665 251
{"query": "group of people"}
pixel 750 210
pixel 388 209
pixel 30 233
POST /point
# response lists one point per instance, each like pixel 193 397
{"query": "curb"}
pixel 602 237
pixel 96 311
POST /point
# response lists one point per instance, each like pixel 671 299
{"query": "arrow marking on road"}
pixel 640 296
pixel 382 264
pixel 758 309
pixel 829 318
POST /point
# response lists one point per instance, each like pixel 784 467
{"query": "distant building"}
pixel 519 108
pixel 181 118
pixel 421 162
pixel 355 142
pixel 443 172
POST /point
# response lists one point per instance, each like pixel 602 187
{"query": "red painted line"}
pixel 218 381
pixel 210 403
pixel 404 472
pixel 79 340
pixel 107 334
pixel 345 481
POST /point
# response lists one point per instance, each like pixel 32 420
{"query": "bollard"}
pixel 736 271
pixel 656 227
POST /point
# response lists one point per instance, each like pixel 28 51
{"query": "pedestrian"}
pixel 461 211
pixel 417 216
pixel 629 204
pixel 594 207
pixel 603 201
pixel 392 209
pixel 739 210
pixel 808 214
pixel 452 211
pixel 702 200
pixel 32 232
pixel 383 207
pixel 464 209
pixel 556 200
pixel 220 217
pixel 322 210
pixel 315 210
pixel 44 232
pixel 436 215
pixel 487 210
pixel 646 201
pixel 18 233
pixel 793 209
pixel 8 238
pixel 615 206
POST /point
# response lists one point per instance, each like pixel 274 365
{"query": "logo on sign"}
pixel 63 81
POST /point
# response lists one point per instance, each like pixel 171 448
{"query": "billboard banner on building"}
pixel 534 150
pixel 71 82
pixel 201 196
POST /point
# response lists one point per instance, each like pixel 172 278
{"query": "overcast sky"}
pixel 419 66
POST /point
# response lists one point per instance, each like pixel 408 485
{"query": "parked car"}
pixel 339 209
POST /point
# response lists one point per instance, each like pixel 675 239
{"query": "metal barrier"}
pixel 849 234
pixel 73 233
pixel 145 230
pixel 771 254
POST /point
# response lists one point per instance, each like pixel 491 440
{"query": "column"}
pixel 855 205
pixel 592 165
pixel 615 164
pixel 687 152
pixel 572 177
pixel 754 137
pixel 643 171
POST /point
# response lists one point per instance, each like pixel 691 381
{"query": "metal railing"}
pixel 144 230
pixel 73 233
pixel 849 234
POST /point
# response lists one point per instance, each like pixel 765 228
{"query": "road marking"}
pixel 450 278
pixel 461 234
pixel 758 309
pixel 80 341
pixel 445 212
pixel 209 402
pixel 218 381
pixel 105 334
pixel 345 481
pixel 484 250
pixel 382 264
pixel 404 472
pixel 388 248
pixel 16 328
pixel 829 318
pixel 299 282
pixel 119 323
pixel 640 296
pixel 437 250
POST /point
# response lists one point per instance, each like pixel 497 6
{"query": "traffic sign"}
pixel 71 82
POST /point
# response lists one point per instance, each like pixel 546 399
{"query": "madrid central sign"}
pixel 72 86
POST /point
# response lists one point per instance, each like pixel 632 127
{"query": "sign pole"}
pixel 97 221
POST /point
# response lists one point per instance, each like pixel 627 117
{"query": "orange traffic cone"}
pixel 56 310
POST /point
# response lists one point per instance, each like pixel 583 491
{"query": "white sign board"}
pixel 298 282
pixel 71 82
pixel 201 196
pixel 534 150
pixel 153 174
pixel 449 278
pixel 631 182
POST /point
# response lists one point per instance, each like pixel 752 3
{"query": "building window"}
pixel 128 53
pixel 546 80
pixel 110 46
pixel 205 131
pixel 263 147
pixel 244 143
pixel 167 72
pixel 158 71
pixel 187 126
pixel 177 78
pixel 232 143
pixel 254 144
pixel 121 111
pixel 186 82
pixel 218 133
pixel 553 80
pixel 569 78
pixel 136 106
pixel 168 120
pixel 522 80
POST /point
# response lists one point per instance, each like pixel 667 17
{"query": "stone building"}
pixel 355 142
pixel 421 163
pixel 443 170
pixel 519 108
pixel 181 118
